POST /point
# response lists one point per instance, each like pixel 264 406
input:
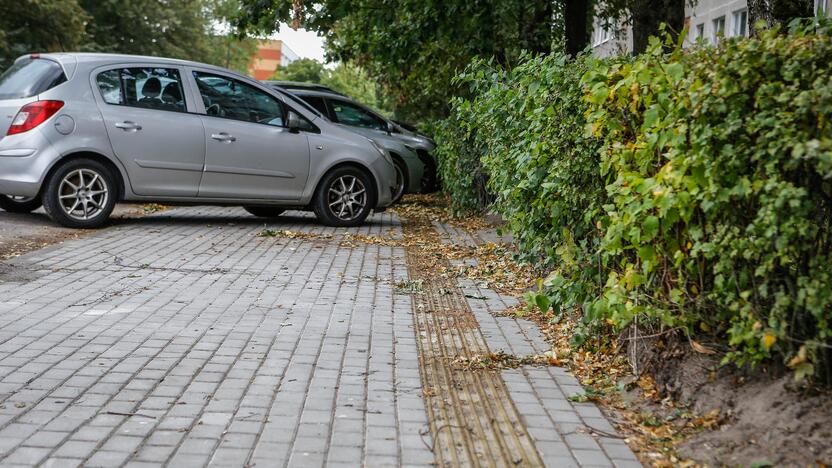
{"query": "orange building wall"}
pixel 266 59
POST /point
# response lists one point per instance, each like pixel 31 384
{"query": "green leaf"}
pixel 650 227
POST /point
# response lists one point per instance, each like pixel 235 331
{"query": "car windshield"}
pixel 30 77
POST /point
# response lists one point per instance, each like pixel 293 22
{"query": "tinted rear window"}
pixel 30 77
pixel 317 103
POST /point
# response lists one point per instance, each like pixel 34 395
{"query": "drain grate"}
pixel 473 421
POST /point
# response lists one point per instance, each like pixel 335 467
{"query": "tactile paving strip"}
pixel 473 421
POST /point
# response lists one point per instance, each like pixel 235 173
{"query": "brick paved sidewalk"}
pixel 185 339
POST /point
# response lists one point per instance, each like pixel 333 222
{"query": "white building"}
pixel 708 21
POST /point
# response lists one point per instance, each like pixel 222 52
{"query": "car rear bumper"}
pixel 24 160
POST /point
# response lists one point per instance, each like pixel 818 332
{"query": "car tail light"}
pixel 32 115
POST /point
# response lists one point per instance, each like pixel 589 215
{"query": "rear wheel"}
pixel 264 211
pixel 80 194
pixel 344 197
pixel 401 180
pixel 429 178
pixel 19 204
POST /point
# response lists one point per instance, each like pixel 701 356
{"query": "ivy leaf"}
pixel 542 302
pixel 650 227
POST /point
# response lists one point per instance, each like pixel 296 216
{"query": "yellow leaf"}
pixel 701 349
pixel 769 340
pixel 799 359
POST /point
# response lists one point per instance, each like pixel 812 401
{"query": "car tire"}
pixel 344 197
pixel 264 211
pixel 429 179
pixel 80 194
pixel 402 180
pixel 19 205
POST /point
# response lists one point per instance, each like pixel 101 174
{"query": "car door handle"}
pixel 128 125
pixel 224 137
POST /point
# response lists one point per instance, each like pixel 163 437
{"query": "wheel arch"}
pixel 354 164
pixel 95 156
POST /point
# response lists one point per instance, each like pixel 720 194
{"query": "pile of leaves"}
pixel 289 234
pixel 502 360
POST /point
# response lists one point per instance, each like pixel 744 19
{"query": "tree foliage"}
pixel 173 28
pixel 43 25
pixel 412 47
pixel 304 70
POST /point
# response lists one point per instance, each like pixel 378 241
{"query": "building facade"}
pixel 270 55
pixel 707 21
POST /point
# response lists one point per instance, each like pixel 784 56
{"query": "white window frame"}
pixel 739 20
pixel 717 32
pixel 700 32
pixel 601 35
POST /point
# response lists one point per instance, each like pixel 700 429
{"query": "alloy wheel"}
pixel 83 194
pixel 347 197
pixel 399 182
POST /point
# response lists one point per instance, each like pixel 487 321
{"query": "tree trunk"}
pixel 649 14
pixel 576 25
pixel 777 12
pixel 537 31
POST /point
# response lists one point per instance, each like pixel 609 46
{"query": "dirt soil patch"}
pixel 765 417
pixel 22 233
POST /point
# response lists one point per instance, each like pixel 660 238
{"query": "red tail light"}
pixel 32 115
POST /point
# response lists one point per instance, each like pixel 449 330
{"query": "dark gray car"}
pixel 79 132
pixel 419 172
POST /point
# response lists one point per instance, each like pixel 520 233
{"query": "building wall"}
pixel 270 55
pixel 703 19
pixel 610 41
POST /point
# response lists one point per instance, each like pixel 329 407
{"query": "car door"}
pixel 250 152
pixel 161 144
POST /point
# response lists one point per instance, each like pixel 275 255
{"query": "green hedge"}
pixel 689 189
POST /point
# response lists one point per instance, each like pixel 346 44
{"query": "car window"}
pixel 29 77
pixel 149 88
pixel 232 99
pixel 317 103
pixel 350 114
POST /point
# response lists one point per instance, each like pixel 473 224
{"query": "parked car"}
pixel 409 167
pixel 79 132
pixel 343 110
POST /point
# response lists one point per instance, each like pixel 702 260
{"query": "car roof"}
pixel 324 93
pixel 96 57
pixel 301 86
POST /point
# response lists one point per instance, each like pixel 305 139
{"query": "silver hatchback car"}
pixel 79 132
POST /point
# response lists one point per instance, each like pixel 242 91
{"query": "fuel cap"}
pixel 64 124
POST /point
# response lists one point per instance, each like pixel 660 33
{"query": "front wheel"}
pixel 402 180
pixel 19 204
pixel 344 198
pixel 264 211
pixel 80 194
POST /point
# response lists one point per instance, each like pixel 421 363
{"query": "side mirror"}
pixel 391 127
pixel 293 122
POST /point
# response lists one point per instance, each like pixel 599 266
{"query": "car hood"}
pixel 416 140
pixel 382 138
